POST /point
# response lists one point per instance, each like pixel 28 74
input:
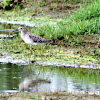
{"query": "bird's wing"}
pixel 37 38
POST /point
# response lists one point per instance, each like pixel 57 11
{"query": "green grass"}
pixel 89 12
pixel 67 31
pixel 46 2
pixel 85 21
pixel 17 49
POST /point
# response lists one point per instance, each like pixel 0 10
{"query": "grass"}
pixel 50 53
pixel 85 21
pixel 73 29
pixel 70 29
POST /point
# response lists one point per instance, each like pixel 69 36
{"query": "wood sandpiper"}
pixel 30 38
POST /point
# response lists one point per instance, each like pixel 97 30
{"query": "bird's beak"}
pixel 16 30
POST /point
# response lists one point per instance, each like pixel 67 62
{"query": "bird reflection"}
pixel 28 83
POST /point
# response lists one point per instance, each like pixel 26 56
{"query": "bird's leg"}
pixel 40 51
pixel 39 71
pixel 30 53
pixel 31 48
pixel 30 68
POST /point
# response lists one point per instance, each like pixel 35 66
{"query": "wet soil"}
pixel 50 96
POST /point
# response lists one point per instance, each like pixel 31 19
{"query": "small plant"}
pixel 6 3
pixel 9 4
pixel 43 3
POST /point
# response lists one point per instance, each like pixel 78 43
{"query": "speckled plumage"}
pixel 31 38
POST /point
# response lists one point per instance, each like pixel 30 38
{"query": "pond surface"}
pixel 15 78
pixel 49 78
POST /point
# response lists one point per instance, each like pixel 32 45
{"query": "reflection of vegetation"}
pixel 9 76
pixel 86 75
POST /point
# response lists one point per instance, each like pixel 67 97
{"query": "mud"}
pixel 7 59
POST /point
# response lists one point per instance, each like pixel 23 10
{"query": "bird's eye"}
pixel 20 28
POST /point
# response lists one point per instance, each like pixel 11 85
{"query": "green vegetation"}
pixel 19 50
pixel 75 29
pixel 85 21
pixel 42 3
pixel 74 25
pixel 5 3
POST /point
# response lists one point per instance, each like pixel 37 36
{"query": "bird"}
pixel 30 38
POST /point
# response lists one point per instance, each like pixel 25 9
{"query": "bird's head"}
pixel 22 28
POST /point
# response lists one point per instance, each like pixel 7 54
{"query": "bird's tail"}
pixel 49 41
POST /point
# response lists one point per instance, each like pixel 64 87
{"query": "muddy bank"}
pixel 52 96
pixel 8 59
pixel 26 23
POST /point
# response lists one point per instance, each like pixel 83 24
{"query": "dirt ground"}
pixel 51 96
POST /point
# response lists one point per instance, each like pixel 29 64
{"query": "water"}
pixel 39 78
pixel 15 78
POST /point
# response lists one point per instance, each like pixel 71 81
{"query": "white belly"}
pixel 28 40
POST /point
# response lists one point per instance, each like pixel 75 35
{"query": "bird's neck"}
pixel 23 32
